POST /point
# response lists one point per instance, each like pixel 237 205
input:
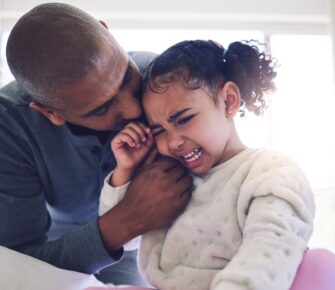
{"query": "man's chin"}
pixel 116 127
pixel 121 124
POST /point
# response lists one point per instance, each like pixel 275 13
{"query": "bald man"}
pixel 75 87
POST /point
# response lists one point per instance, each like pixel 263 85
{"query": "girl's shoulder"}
pixel 272 157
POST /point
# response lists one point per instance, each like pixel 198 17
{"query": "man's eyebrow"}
pixel 176 115
pixel 125 80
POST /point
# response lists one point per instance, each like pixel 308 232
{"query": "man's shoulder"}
pixel 142 58
pixel 12 94
pixel 15 111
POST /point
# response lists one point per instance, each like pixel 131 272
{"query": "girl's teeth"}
pixel 194 155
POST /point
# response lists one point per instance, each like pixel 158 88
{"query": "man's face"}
pixel 107 96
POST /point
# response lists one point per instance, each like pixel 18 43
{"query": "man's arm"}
pixel 24 218
pixel 25 221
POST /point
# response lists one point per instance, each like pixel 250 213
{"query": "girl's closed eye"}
pixel 181 121
pixel 184 120
pixel 157 131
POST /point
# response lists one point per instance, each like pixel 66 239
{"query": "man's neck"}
pixel 77 130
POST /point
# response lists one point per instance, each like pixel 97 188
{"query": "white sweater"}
pixel 245 228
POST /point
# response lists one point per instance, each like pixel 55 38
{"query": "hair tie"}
pixel 224 51
pixel 224 54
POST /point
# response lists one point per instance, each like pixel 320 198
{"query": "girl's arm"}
pixel 129 147
pixel 275 213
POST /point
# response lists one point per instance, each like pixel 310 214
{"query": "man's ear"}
pixel 229 97
pixel 49 113
pixel 103 23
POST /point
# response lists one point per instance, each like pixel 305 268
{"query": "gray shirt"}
pixel 50 182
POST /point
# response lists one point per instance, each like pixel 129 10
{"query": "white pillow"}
pixel 22 272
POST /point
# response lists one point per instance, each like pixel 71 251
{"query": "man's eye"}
pixel 103 111
pixel 183 121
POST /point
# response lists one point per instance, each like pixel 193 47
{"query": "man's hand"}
pixel 158 193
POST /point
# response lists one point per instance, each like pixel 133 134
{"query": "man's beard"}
pixel 82 130
pixel 120 124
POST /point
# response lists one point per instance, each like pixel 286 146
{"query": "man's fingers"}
pixel 187 193
pixel 176 171
pixel 185 182
pixel 152 156
pixel 168 163
pixel 181 175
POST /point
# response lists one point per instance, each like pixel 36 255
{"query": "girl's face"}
pixel 189 126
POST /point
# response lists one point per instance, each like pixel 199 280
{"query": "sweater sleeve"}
pixel 24 217
pixel 110 196
pixel 275 212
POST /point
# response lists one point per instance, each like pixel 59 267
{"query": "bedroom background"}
pixel 300 34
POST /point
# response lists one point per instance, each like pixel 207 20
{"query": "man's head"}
pixel 73 68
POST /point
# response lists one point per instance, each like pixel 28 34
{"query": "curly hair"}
pixel 206 64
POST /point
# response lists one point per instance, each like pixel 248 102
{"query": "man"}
pixel 75 87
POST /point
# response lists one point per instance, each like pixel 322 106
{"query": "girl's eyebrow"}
pixel 176 115
pixel 170 119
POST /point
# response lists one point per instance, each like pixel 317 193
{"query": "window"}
pixel 5 74
pixel 303 120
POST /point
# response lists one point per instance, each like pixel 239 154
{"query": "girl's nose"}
pixel 175 142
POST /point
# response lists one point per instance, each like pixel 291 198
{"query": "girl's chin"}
pixel 200 170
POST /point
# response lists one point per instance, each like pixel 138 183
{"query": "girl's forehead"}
pixel 162 105
pixel 170 100
pixel 173 93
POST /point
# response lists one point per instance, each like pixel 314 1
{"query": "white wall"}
pixel 271 16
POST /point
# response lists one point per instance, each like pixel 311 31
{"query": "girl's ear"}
pixel 229 97
pixel 49 113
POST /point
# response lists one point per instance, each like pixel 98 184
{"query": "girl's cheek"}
pixel 162 147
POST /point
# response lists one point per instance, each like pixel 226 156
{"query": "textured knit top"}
pixel 246 227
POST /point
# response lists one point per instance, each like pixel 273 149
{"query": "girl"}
pixel 250 217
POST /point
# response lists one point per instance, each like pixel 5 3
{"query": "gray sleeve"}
pixel 24 218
